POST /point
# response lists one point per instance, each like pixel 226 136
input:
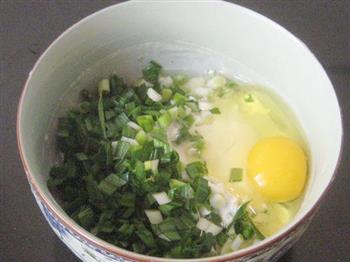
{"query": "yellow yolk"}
pixel 277 168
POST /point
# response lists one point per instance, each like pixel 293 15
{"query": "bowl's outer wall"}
pixel 292 71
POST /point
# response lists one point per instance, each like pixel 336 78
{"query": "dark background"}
pixel 28 27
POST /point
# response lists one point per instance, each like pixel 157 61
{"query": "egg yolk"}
pixel 277 168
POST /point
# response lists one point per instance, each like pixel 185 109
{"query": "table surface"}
pixel 28 27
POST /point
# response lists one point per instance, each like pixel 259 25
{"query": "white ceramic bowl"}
pixel 192 36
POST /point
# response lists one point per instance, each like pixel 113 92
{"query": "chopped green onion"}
pixel 166 209
pixel 160 134
pixel 152 165
pixel 215 218
pixel 146 236
pixel 121 120
pixel 198 143
pixel 236 174
pixel 151 72
pixel 116 85
pixel 122 149
pixel 84 107
pixel 154 216
pixel 81 156
pixel 186 192
pixel 127 199
pixel 180 79
pixel 126 230
pixel 143 83
pixel 231 84
pixel 101 115
pixel 114 146
pixel 222 238
pixel 141 137
pixel 248 98
pixel 204 211
pixel 108 152
pixel 173 112
pixel 174 183
pixel 181 112
pixel 86 217
pixel 203 223
pixel 110 114
pixel 188 220
pixel 103 87
pixel 208 227
pixel 88 124
pixel 165 120
pixel 153 95
pixel 202 191
pixel 168 229
pixel 134 125
pixel 188 120
pixel 110 184
pixel 215 110
pixel 146 122
pixel 128 131
pixel 161 198
pixel 244 225
pixel 196 169
pixel 129 140
pixel 179 99
pixel 166 94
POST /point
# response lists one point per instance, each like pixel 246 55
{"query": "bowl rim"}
pixel 117 251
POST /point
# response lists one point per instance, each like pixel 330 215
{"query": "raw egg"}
pixel 277 168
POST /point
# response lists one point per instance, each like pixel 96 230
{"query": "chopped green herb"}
pixel 244 225
pixel 215 110
pixel 168 229
pixel 166 94
pixel 248 98
pixel 111 183
pixel 146 122
pixel 146 236
pixel 121 120
pixel 165 120
pixel 141 137
pixel 122 150
pixel 222 238
pixel 101 115
pixel 214 217
pixel 202 190
pixel 81 156
pixel 236 174
pixel 179 99
pixel 110 114
pixel 166 209
pixel 103 87
pixel 151 72
pixel 231 84
pixel 127 131
pixel 196 169
pixel 117 85
pixel 86 217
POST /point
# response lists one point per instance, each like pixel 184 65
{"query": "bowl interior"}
pixel 192 37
